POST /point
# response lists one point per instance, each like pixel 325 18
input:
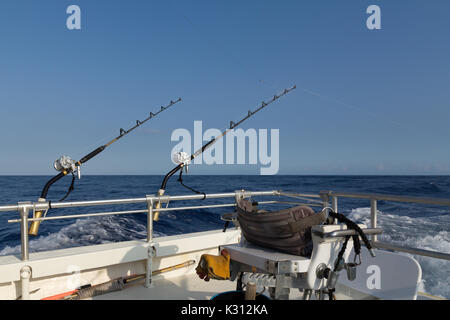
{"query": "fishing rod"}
pixel 65 165
pixel 184 159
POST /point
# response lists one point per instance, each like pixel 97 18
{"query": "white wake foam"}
pixel 87 231
pixel 430 233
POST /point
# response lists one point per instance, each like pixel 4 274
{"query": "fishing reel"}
pixel 182 158
pixel 65 163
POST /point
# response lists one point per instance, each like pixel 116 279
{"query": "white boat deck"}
pixel 185 287
pixel 191 287
pixel 188 287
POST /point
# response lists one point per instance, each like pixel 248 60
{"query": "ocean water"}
pixel 422 226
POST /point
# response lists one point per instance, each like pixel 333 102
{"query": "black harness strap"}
pixel 341 253
pixel 330 292
pixel 351 225
pixel 70 188
pixel 180 179
pixel 356 243
pixel 357 247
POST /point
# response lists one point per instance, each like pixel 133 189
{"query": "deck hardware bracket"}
pixel 279 285
pixel 282 267
pixel 239 194
pixel 151 251
pixel 25 275
pixel 320 271
pixel 24 209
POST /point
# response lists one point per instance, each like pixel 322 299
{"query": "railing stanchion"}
pixel 325 196
pixel 373 217
pixel 25 272
pixel 150 248
pixel 334 205
pixel 150 219
pixel 25 275
pixel 24 210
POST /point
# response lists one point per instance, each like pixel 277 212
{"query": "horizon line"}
pixel 276 175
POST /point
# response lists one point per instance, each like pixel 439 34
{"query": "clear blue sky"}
pixel 368 101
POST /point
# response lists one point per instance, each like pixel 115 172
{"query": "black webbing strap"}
pixel 341 253
pixel 356 244
pixel 357 247
pixel 225 227
pixel 180 179
pixel 351 225
pixel 70 188
pixel 331 295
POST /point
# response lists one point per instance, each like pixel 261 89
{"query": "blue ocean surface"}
pixel 414 225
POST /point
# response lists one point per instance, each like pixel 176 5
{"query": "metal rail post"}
pixel 325 196
pixel 24 208
pixel 334 205
pixel 150 248
pixel 25 272
pixel 25 275
pixel 373 217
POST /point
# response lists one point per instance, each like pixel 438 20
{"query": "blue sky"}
pixel 367 101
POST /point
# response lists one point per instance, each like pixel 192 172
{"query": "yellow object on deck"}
pixel 214 267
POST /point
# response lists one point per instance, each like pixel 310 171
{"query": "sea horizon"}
pixel 246 175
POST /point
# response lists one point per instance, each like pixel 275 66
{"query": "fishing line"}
pixel 224 50
pixel 349 106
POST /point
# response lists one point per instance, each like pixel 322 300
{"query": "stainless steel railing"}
pixel 322 199
pixel 24 209
pixel 332 196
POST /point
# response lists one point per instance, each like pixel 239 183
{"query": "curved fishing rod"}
pixel 66 166
pixel 184 159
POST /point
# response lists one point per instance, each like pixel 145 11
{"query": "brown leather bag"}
pixel 287 230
